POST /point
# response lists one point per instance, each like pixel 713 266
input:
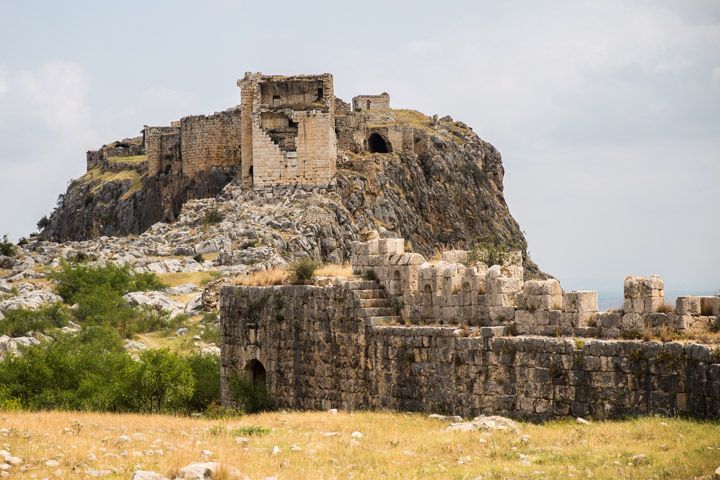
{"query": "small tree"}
pixel 7 248
pixel 43 223
pixel 206 371
pixel 163 381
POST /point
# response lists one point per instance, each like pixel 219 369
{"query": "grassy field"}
pixel 322 445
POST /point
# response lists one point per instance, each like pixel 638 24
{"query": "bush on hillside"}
pixel 302 270
pixel 92 371
pixel 212 216
pixel 162 381
pixel 7 248
pixel 21 321
pixel 206 371
pixel 74 280
pixel 87 371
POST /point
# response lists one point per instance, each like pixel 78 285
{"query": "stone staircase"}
pixel 373 301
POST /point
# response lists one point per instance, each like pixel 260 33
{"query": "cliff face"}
pixel 445 189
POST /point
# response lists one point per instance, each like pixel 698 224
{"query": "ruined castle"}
pixel 462 337
pixel 286 131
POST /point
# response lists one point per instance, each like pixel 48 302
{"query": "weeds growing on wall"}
pixel 303 270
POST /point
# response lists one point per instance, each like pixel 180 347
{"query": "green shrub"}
pixel 206 372
pixel 212 216
pixel 250 396
pixel 302 270
pixel 370 275
pixel 251 431
pixel 73 280
pixel 490 252
pixel 91 370
pixel 162 381
pixel 7 248
pixel 20 321
pixel 87 371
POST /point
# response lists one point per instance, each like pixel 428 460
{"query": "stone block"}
pixel 632 322
pixel 553 301
pixel 552 287
pixel 710 306
pixel 580 301
pixel 688 305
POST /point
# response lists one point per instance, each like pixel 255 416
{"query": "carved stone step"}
pixel 376 312
pixel 382 320
pixel 361 284
pixel 371 293
pixel 374 302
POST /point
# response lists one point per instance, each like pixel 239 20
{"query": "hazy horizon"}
pixel 606 114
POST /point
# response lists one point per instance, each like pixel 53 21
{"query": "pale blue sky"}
pixel 606 113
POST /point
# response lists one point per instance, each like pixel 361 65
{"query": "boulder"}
pixel 207 471
pixel 492 422
pixel 155 300
pixel 29 299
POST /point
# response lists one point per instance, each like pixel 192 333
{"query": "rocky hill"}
pixel 445 192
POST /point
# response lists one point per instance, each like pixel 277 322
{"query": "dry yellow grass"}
pixel 334 270
pixel 392 446
pixel 182 278
pixel 275 276
pixel 130 159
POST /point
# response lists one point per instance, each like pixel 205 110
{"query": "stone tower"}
pixel 287 130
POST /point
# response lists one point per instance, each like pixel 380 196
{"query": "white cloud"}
pixel 56 93
pixel 716 73
pixel 3 83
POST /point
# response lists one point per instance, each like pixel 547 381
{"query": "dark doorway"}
pixel 377 144
pixel 255 371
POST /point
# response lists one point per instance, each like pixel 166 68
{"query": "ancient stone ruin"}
pixel 285 131
pixel 463 337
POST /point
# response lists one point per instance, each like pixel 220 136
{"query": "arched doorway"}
pixel 255 371
pixel 377 144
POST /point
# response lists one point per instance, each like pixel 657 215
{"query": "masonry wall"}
pixel 319 353
pixel 306 337
pixel 210 141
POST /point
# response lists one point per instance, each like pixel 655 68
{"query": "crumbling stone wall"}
pixel 303 151
pixel 455 291
pixel 308 339
pixel 371 102
pixel 212 141
pixel 319 352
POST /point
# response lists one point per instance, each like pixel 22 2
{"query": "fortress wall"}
pixel 306 337
pixel 319 353
pixel 210 141
pixel 431 369
pixel 155 137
